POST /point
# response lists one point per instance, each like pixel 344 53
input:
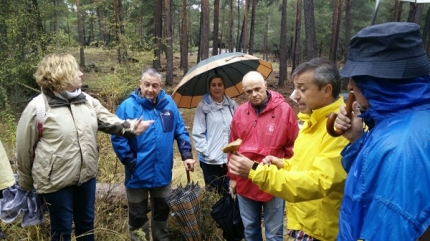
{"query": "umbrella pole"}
pixel 188 176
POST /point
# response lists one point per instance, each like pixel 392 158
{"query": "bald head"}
pixel 252 76
pixel 254 87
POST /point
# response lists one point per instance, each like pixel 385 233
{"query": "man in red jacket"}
pixel 267 125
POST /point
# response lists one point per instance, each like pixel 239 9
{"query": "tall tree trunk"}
pixel 245 27
pixel 184 38
pixel 415 12
pixel 221 42
pixel 230 38
pixel 116 30
pixel 397 13
pixel 91 28
pixel 251 34
pixel 216 26
pixel 337 13
pixel 81 36
pixel 204 43
pixel 55 21
pixel 297 46
pixel 102 29
pixel 426 31
pixel 122 46
pixel 238 39
pixel 265 38
pixel 283 46
pixel 38 32
pixel 347 27
pixel 169 36
pixel 199 51
pixel 158 27
pixel 311 45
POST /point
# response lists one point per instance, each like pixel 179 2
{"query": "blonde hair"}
pixel 57 72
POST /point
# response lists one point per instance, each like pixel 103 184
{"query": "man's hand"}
pixel 279 163
pixel 240 165
pixel 353 128
pixel 141 126
pixel 189 164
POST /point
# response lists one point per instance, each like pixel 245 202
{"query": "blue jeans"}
pixel 216 178
pixel 72 203
pixel 250 211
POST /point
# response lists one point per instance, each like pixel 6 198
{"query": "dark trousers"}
pixel 73 203
pixel 216 178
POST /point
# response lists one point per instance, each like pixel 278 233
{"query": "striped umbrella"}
pixel 232 66
pixel 184 202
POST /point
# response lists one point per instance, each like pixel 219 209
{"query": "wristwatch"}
pixel 254 166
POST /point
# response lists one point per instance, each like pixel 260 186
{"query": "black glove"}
pixel 131 165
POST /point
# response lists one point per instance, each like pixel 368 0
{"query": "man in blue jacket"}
pixel 148 158
pixel 387 188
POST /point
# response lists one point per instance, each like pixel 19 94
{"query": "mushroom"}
pixel 232 146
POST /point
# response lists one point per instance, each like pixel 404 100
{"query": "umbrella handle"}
pixel 188 176
pixel 332 117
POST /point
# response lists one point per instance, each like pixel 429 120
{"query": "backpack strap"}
pixel 40 117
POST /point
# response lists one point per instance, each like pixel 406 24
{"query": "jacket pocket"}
pixel 167 119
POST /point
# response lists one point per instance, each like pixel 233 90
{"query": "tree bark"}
pixel 311 45
pixel 119 31
pixel 169 49
pixel 397 13
pixel 426 31
pixel 55 21
pixel 238 39
pixel 204 43
pixel 230 38
pixel 81 36
pixel 184 38
pixel 252 29
pixel 337 13
pixel 415 12
pixel 283 46
pixel 245 27
pixel 347 27
pixel 158 28
pixel 265 38
pixel 297 46
pixel 36 33
pixel 216 26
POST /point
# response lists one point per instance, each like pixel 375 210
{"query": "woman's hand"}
pixel 141 126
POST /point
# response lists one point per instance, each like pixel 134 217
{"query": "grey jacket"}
pixel 211 128
pixel 67 153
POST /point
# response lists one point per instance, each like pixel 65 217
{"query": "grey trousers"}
pixel 138 209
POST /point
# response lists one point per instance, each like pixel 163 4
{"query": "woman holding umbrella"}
pixel 211 131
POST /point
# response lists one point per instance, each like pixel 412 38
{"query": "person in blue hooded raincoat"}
pixel 387 189
pixel 148 158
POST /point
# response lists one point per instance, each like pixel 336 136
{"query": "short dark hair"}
pixel 216 76
pixel 325 72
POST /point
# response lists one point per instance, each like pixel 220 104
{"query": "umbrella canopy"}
pixel 232 66
pixel 185 206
